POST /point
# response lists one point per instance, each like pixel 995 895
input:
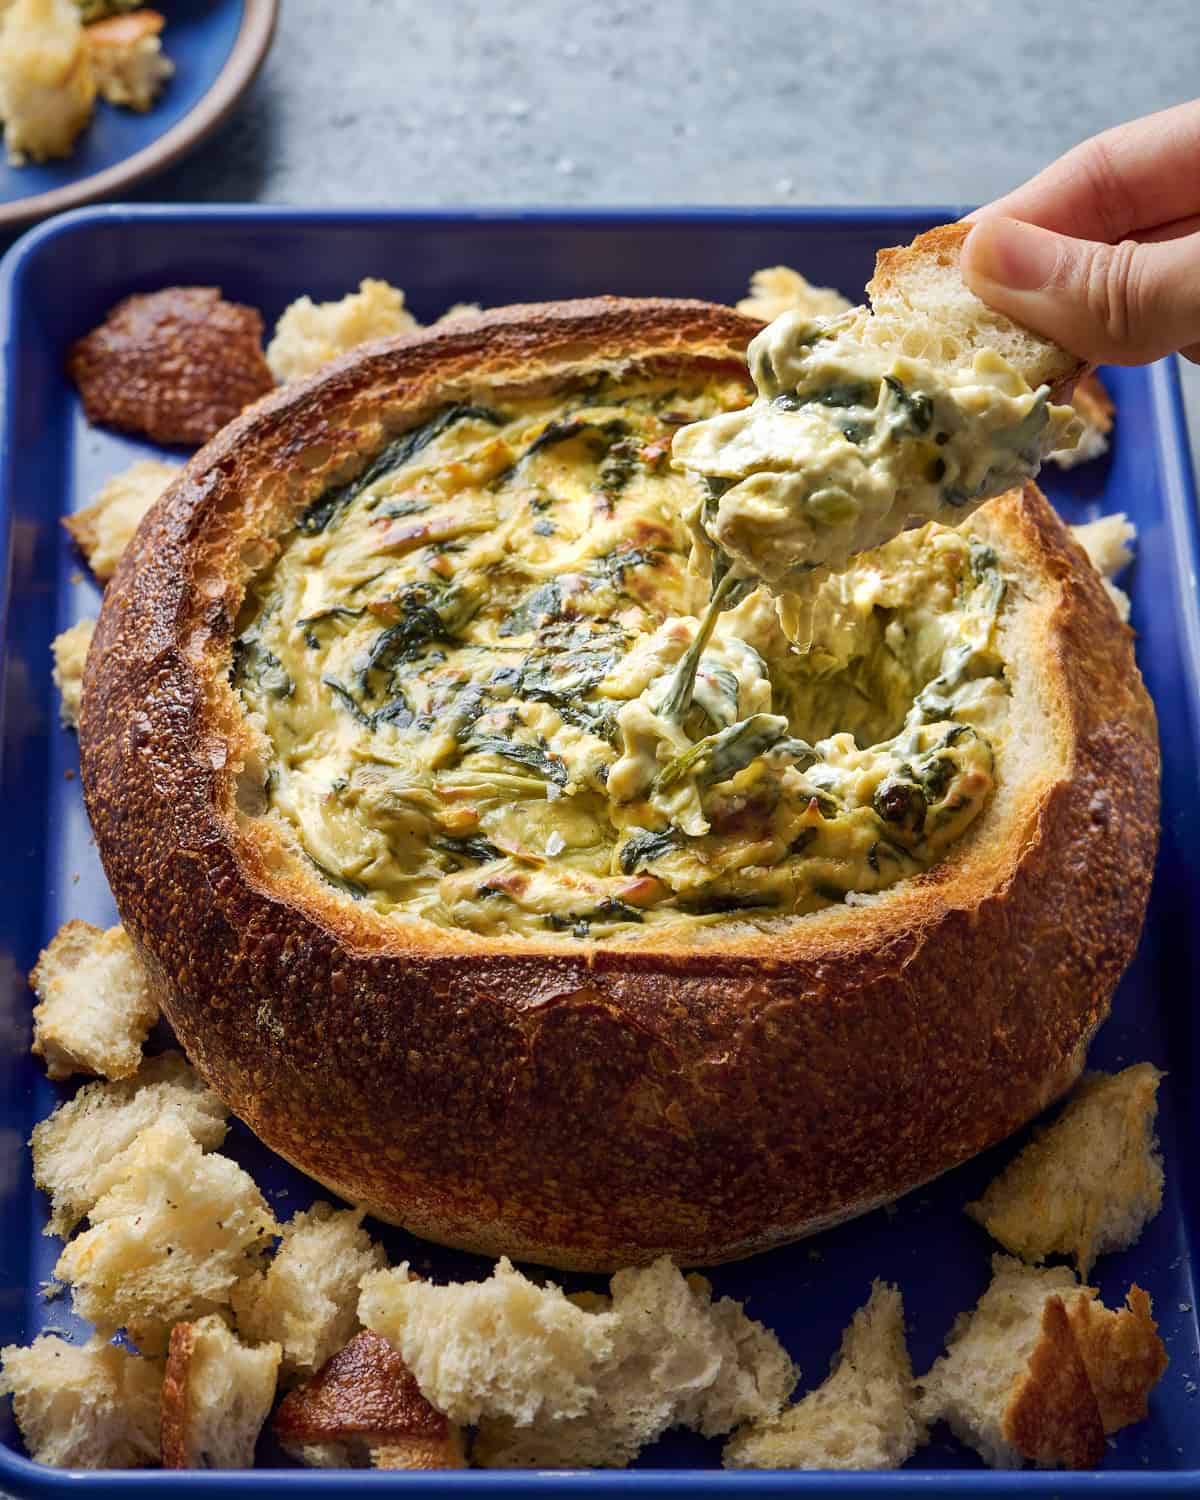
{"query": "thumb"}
pixel 1123 304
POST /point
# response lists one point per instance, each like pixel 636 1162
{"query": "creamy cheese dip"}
pixel 456 665
pixel 848 443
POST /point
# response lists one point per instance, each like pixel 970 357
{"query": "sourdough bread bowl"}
pixel 701 1077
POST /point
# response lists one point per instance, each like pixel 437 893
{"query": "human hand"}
pixel 1101 251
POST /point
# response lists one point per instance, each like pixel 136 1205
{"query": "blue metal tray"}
pixel 60 279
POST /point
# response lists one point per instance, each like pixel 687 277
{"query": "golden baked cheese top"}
pixel 446 663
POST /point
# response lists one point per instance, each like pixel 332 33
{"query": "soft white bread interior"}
pixel 81 1150
pixel 168 1241
pixel 310 334
pixel 102 530
pixel 1108 544
pixel 94 1406
pixel 94 1007
pixel 558 1382
pixel 779 289
pixel 217 1393
pixel 1033 1372
pixel 922 306
pixel 70 651
pixel 307 1298
pixel 864 1416
pixel 1086 1184
pixel 363 1408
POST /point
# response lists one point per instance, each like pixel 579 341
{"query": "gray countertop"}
pixel 404 102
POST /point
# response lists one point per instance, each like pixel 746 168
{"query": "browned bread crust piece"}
pixel 175 365
pixel 364 1406
pixel 596 1104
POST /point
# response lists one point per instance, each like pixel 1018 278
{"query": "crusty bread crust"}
pixel 596 1104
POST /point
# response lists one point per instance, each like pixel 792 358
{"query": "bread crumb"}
pixel 1034 1372
pixel 47 90
pixel 70 651
pixel 176 364
pixel 363 1408
pixel 103 529
pixel 216 1395
pixel 94 1007
pixel 1089 1182
pixel 169 1239
pixel 128 60
pixel 1106 542
pixel 82 1149
pixel 1094 408
pixel 309 333
pixel 307 1299
pixel 862 1417
pixel 93 1406
pixel 778 289
pixel 579 1382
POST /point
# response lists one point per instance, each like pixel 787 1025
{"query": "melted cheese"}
pixel 457 662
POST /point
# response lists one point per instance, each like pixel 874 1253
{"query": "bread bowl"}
pixel 593 1094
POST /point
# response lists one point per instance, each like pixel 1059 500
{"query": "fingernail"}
pixel 1009 253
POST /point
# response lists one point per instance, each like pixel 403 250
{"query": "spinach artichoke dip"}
pixel 470 665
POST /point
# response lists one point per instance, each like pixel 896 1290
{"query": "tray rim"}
pixel 21 1477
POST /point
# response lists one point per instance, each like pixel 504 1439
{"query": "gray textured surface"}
pixel 408 102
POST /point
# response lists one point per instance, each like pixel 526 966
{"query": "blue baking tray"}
pixel 59 280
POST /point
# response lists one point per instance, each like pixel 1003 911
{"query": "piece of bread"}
pixel 70 650
pixel 1035 1373
pixel 307 1299
pixel 81 1150
pixel 698 1143
pixel 1089 1182
pixel 559 1382
pixel 175 365
pixel 364 1409
pixel 216 1394
pixel 922 306
pixel 127 59
pixel 1095 410
pixel 94 1007
pixel 780 289
pixel 47 90
pixel 1106 542
pixel 863 1417
pixel 310 334
pixel 90 1406
pixel 168 1241
pixel 102 529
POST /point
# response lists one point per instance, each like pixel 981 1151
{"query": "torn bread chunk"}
pixel 558 1382
pixel 70 651
pixel 310 334
pixel 94 1007
pixel 47 91
pixel 1030 1374
pixel 103 529
pixel 168 1241
pixel 128 60
pixel 779 289
pixel 864 1415
pixel 217 1392
pixel 307 1299
pixel 176 364
pixel 90 1406
pixel 364 1409
pixel 1095 410
pixel 81 1150
pixel 1107 544
pixel 1089 1182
